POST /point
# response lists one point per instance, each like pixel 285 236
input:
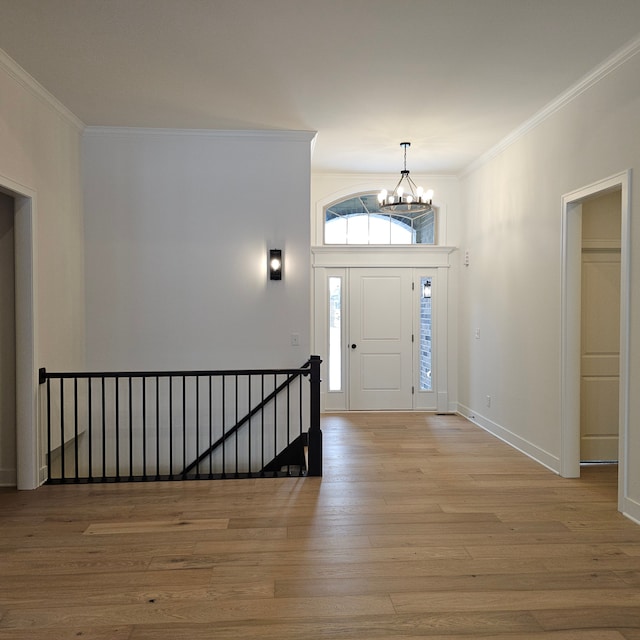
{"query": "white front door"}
pixel 380 339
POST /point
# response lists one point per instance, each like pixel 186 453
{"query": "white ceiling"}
pixel 454 77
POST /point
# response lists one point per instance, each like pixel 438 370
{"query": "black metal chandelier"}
pixel 406 197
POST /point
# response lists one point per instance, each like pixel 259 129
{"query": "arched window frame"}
pixel 359 205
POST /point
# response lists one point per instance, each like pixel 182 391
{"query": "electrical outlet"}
pixel 478 334
pixel 488 401
pixel 295 339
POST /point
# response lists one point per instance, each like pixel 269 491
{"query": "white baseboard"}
pixel 529 449
pixel 631 509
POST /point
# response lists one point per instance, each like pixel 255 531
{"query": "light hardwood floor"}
pixel 422 526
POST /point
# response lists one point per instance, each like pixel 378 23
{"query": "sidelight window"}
pixel 335 334
pixel 426 383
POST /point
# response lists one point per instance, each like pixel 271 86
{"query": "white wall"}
pixel 40 150
pixel 40 160
pixel 511 291
pixel 178 224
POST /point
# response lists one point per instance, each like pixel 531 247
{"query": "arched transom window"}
pixel 358 220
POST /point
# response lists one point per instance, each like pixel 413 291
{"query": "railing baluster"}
pixel 224 426
pixel 301 419
pixel 157 427
pixel 49 465
pixel 197 447
pixel 75 428
pixel 131 439
pixel 236 435
pixel 144 428
pixel 249 423
pixel 116 382
pixel 288 423
pixel 90 438
pixel 184 421
pixel 104 435
pixel 62 460
pixel 171 427
pixel 275 421
pixel 210 425
pixel 262 442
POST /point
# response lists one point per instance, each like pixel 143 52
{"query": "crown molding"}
pixel 259 134
pixel 15 71
pixel 574 91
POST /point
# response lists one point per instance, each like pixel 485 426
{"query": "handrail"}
pixel 44 374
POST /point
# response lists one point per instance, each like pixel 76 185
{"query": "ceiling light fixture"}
pixel 406 197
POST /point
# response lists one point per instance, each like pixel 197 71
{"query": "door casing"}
pixel 431 261
pixel 570 333
pixel 29 475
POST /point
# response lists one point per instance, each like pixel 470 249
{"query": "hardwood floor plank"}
pixel 69 633
pixel 405 517
pixel 391 569
pixel 596 617
pixel 156 526
pixel 168 612
pixel 67 589
pixel 327 545
pixel 507 600
pixel 371 627
pixel 312 557
pixel 535 533
pixel 565 550
pixel 448 584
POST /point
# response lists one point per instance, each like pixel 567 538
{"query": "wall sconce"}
pixel 426 288
pixel 275 264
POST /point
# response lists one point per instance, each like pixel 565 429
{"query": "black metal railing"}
pixel 178 425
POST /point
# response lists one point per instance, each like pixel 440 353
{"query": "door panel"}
pixel 380 321
pixel 599 437
pixel 600 359
pixel 381 371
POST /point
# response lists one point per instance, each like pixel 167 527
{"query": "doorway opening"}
pixel 26 472
pixel 600 329
pixel 573 328
pixel 383 335
pixel 7 344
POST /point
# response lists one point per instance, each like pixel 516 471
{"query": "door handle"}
pixel 353 346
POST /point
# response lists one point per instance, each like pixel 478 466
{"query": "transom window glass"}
pixel 358 220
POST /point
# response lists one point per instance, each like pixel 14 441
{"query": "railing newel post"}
pixel 315 433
